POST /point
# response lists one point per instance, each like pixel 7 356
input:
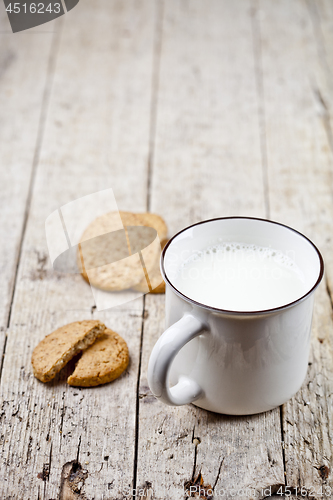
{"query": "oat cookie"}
pixel 157 284
pixel 125 270
pixel 102 362
pixel 56 349
pixel 152 220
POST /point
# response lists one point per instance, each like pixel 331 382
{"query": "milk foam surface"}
pixel 241 277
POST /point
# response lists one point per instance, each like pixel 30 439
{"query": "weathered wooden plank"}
pixel 321 15
pixel 207 160
pixel 207 163
pixel 96 136
pixel 300 176
pixel 25 73
pixel 321 18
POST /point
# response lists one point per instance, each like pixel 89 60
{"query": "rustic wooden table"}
pixel 190 109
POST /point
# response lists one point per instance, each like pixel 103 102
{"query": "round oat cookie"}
pixel 56 349
pixel 126 269
pixel 102 362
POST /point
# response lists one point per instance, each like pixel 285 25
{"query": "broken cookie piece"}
pixel 102 362
pixel 56 349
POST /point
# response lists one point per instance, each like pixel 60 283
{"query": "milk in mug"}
pixel 241 277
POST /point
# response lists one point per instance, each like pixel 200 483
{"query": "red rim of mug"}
pixel 227 311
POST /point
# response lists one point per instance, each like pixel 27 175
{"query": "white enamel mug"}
pixel 233 362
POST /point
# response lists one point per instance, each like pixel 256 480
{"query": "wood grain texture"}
pixel 25 77
pixel 57 438
pixel 300 180
pixel 207 157
pixel 207 162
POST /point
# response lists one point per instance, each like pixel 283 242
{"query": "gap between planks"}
pixel 158 35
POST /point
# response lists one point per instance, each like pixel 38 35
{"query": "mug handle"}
pixel 165 350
